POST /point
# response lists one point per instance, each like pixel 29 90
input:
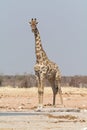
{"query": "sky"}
pixel 63 29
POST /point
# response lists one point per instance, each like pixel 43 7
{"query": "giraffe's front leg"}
pixel 39 78
pixel 40 93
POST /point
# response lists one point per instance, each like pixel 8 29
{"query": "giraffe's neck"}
pixel 40 53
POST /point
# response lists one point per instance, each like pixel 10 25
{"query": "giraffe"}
pixel 45 68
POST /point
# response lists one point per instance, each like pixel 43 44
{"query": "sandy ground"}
pixel 72 115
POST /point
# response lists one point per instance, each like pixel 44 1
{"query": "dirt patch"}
pixel 69 117
pixel 66 118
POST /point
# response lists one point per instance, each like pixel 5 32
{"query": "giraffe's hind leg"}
pixel 60 93
pixel 55 90
pixel 54 96
pixel 59 90
pixel 58 86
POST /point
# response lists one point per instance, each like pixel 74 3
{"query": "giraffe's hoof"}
pixel 39 108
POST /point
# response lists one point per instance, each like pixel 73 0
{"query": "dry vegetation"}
pixel 29 80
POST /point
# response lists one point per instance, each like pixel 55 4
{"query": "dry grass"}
pixel 33 91
pixel 27 98
pixel 18 91
pixel 74 90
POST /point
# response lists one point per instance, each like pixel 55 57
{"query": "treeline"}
pixel 75 81
pixel 29 80
pixel 18 80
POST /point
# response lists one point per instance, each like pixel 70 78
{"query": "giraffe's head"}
pixel 33 23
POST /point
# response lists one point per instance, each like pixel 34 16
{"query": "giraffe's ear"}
pixel 36 22
pixel 29 22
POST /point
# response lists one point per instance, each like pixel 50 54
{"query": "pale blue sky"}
pixel 63 29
